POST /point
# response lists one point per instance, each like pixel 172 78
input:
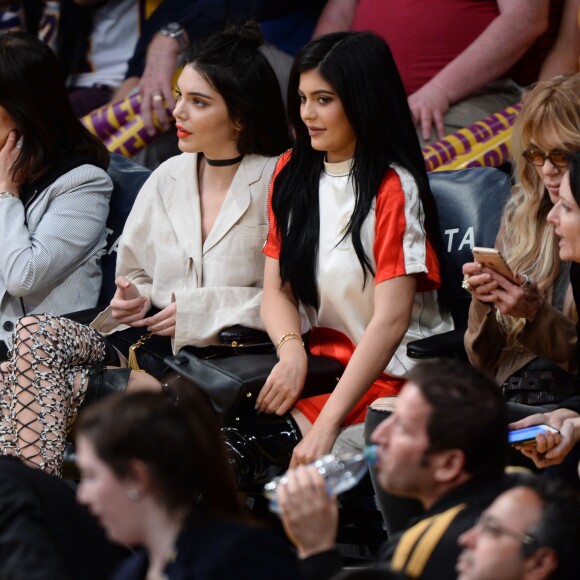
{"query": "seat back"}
pixel 128 178
pixel 470 203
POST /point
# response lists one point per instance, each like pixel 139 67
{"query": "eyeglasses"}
pixel 495 529
pixel 538 158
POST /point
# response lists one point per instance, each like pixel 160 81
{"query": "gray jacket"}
pixel 51 250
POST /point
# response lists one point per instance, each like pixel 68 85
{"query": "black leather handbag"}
pixel 233 383
pixel 244 339
pixel 148 351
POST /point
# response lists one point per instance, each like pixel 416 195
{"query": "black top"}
pixel 212 549
pixel 573 402
pixel 45 533
pixel 442 556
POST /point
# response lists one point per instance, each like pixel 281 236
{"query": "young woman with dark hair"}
pixel 353 239
pixel 54 191
pixel 153 472
pixel 250 94
pixel 190 249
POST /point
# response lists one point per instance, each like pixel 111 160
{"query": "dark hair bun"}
pixel 245 35
pixel 229 47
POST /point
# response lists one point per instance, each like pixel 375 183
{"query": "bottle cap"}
pixel 370 453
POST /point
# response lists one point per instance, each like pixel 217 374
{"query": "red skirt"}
pixel 334 344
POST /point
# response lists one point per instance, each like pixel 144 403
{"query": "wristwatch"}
pixel 177 32
pixel 6 194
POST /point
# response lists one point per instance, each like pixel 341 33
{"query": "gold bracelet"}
pixel 285 338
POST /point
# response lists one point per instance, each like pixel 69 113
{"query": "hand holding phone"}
pixel 492 258
pixel 527 436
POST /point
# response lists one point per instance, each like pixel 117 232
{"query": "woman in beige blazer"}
pixel 191 250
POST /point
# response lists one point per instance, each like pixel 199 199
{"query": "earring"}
pixel 134 494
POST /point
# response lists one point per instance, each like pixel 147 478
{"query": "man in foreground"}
pixel 445 445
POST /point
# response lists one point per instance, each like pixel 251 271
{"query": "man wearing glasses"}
pixel 529 532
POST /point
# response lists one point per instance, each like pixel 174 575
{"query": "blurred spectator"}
pixel 460 61
pixel 22 15
pixel 154 473
pixel 45 533
pixel 95 40
pixel 445 445
pixel 11 16
pixel 170 30
pixel 565 54
pixel 530 532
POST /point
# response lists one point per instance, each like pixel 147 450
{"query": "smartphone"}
pixel 493 259
pixel 528 435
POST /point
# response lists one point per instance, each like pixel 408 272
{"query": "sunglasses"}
pixel 538 158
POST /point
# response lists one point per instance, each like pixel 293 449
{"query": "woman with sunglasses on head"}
pixel 191 250
pixel 522 331
pixel 353 239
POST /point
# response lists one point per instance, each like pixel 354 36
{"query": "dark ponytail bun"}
pixel 244 35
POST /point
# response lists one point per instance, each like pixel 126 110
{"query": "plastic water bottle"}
pixel 342 472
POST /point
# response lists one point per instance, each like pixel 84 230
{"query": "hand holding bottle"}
pixel 309 514
pixel 340 473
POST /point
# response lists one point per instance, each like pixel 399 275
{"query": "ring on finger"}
pixel 527 281
pixel 466 285
pixel 157 98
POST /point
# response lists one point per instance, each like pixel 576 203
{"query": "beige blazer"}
pixel 215 284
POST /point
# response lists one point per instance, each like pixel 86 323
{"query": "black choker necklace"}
pixel 223 162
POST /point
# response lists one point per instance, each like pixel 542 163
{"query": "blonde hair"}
pixel 551 110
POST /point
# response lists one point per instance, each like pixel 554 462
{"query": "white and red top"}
pixel 396 244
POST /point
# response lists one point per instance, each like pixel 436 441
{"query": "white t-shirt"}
pixel 395 242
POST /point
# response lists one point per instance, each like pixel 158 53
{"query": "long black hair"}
pixel 231 62
pixel 360 68
pixel 34 94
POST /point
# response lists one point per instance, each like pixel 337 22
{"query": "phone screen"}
pixel 528 434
